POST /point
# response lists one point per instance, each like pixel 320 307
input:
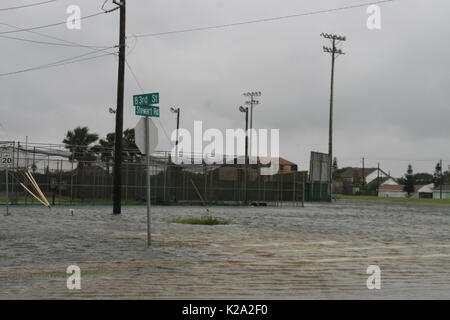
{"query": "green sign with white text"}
pixel 148 111
pixel 143 100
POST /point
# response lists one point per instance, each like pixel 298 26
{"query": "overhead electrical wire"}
pixel 52 43
pixel 59 23
pixel 57 63
pixel 60 62
pixel 220 26
pixel 28 5
pixel 51 37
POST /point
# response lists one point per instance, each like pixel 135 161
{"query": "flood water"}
pixel 321 251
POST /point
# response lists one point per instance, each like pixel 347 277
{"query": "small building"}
pixel 426 191
pixel 396 191
pixel 392 191
pixel 445 192
pixel 229 171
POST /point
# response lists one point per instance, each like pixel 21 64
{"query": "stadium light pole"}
pixel 335 39
pixel 252 102
pixel 177 112
pixel 245 110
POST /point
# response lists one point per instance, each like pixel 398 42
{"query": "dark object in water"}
pixel 262 204
pixel 258 204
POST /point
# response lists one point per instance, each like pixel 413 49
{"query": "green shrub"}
pixel 203 221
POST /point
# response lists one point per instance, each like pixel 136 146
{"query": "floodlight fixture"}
pixel 333 36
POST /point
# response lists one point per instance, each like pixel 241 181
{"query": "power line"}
pixel 58 23
pixel 27 5
pixel 61 62
pixel 53 38
pixel 57 63
pixel 262 20
pixel 53 43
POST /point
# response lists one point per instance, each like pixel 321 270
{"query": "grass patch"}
pixel 2 237
pixel 209 221
pixel 387 199
pixel 177 244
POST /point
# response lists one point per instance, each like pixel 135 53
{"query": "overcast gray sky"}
pixel 392 88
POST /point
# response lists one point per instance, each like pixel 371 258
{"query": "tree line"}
pixel 86 146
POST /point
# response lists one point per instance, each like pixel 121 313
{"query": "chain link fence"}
pixel 87 178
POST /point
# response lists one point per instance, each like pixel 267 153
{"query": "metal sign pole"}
pixel 7 192
pixel 147 152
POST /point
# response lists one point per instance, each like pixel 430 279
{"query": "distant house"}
pixel 392 191
pixel 354 178
pixel 426 191
pixel 396 191
pixel 445 192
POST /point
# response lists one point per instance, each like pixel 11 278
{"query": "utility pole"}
pixel 252 102
pixel 334 53
pixel 117 187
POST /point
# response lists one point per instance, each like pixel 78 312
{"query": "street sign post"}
pixel 6 159
pixel 146 139
pixel 148 111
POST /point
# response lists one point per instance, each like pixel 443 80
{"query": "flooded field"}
pixel 321 251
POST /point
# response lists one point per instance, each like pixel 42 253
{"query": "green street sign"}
pixel 143 100
pixel 149 111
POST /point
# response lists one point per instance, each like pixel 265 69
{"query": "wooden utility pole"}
pixel 117 187
pixel 334 53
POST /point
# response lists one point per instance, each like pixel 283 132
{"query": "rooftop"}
pixel 398 187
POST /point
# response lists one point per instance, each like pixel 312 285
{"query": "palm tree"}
pixel 105 146
pixel 78 142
